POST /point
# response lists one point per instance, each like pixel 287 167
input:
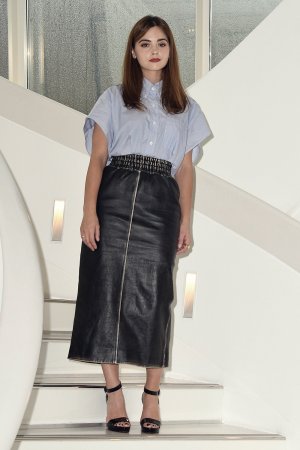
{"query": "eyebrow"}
pixel 148 40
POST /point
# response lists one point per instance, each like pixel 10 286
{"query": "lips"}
pixel 154 59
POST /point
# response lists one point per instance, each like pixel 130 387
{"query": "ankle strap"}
pixel 148 391
pixel 113 389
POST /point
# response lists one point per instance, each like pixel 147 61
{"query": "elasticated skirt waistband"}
pixel 149 164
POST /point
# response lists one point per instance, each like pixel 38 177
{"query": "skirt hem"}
pixel 113 362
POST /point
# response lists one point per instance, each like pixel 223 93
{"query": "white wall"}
pixel 46 171
pixel 245 328
pixel 252 100
pixel 1 275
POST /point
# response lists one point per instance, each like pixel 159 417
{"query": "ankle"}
pixel 113 383
pixel 152 387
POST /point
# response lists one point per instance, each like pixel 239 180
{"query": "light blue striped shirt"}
pixel 153 132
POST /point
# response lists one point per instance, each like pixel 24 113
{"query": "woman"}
pixel 136 217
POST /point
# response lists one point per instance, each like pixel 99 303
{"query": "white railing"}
pixel 21 314
pixel 262 224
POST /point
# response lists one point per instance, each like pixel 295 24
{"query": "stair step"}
pixel 76 398
pixel 59 313
pixel 195 434
pixel 56 335
pixel 97 380
pixel 68 406
pixel 54 356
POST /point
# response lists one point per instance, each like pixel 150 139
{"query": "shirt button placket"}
pixel 154 105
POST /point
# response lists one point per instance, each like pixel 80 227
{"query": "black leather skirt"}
pixel 125 287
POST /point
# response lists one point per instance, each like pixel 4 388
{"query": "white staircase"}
pixel 67 406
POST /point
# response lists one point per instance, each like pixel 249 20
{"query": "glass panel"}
pixel 76 47
pixel 3 39
pixel 232 21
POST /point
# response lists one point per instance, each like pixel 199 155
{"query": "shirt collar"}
pixel 151 89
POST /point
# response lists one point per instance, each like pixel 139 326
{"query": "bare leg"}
pixel 115 402
pixel 150 402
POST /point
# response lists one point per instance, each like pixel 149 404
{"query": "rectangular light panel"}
pixel 58 220
pixel 189 294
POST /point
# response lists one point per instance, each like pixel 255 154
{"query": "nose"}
pixel 154 49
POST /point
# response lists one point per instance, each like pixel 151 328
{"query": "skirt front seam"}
pixel 124 265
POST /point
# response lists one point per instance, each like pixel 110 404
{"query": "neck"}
pixel 153 76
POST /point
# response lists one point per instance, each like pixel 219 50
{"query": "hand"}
pixel 90 229
pixel 184 239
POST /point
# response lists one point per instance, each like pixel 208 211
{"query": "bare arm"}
pixel 185 179
pixel 90 227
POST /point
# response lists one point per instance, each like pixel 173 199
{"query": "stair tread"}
pixel 56 335
pixel 70 301
pixel 128 380
pixel 169 429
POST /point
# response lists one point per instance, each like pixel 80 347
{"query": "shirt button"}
pixel 153 88
pixel 153 104
pixel 150 142
pixel 154 122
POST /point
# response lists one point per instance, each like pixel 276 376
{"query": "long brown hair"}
pixel 173 96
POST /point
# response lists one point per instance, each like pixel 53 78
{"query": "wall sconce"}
pixel 189 294
pixel 58 219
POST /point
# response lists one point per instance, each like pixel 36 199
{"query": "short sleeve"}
pixel 101 114
pixel 198 130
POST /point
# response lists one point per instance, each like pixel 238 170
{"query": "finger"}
pixel 180 249
pixel 83 236
pixel 88 241
pixel 82 233
pixel 186 246
pixel 93 242
pixel 180 242
pixel 87 244
pixel 183 248
pixel 98 233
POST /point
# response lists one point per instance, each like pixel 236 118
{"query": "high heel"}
pixel 150 419
pixel 111 424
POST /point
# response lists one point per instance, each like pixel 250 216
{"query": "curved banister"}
pixel 21 314
pixel 257 221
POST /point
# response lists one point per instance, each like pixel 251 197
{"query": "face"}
pixel 152 52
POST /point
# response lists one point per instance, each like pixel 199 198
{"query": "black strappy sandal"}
pixel 149 419
pixel 111 424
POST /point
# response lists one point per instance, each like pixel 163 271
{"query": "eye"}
pixel 144 44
